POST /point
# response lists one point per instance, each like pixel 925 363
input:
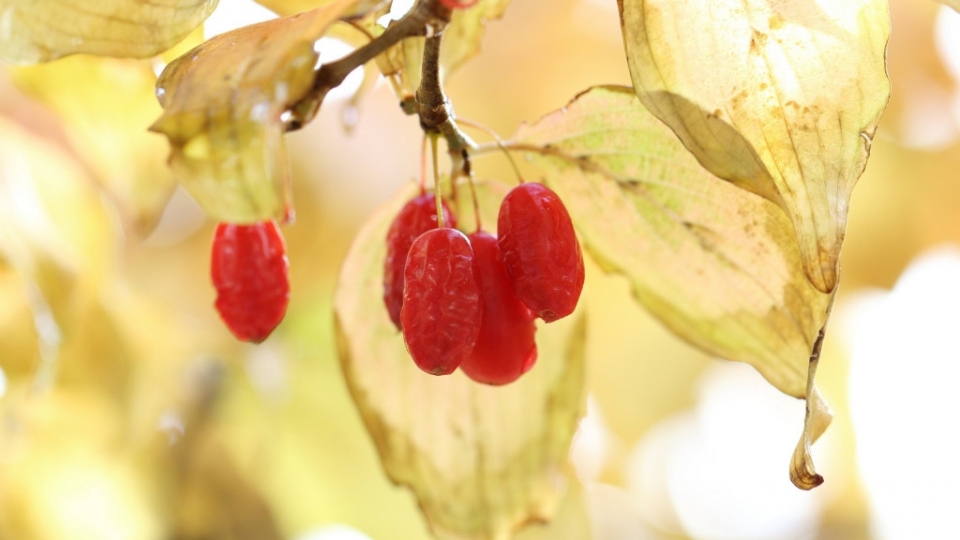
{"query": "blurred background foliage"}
pixel 127 410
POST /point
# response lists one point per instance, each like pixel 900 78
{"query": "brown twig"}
pixel 433 107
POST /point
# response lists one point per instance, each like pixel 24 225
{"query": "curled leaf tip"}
pixel 803 473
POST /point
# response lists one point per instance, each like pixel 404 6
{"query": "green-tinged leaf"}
pixel 780 98
pixel 717 264
pixel 461 41
pixel 34 31
pixel 481 460
pixel 223 103
pixel 105 105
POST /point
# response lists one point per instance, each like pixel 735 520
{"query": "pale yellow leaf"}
pixel 717 264
pixel 223 105
pixel 780 98
pixel 481 460
pixel 34 31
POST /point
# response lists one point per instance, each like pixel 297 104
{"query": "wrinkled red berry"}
pixel 541 250
pixel 458 4
pixel 505 349
pixel 417 217
pixel 442 303
pixel 249 271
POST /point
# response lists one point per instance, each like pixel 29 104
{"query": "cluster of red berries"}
pixel 470 301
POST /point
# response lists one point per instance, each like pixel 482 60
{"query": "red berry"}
pixel 417 217
pixel 458 4
pixel 541 250
pixel 506 348
pixel 249 271
pixel 442 303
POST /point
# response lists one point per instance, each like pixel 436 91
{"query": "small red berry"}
pixel 541 250
pixel 458 4
pixel 442 304
pixel 506 348
pixel 249 270
pixel 415 218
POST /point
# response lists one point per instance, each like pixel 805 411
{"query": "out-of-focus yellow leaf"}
pixel 717 264
pixel 461 41
pixel 780 98
pixel 106 105
pixel 34 31
pixel 223 103
pixel 52 219
pixel 481 460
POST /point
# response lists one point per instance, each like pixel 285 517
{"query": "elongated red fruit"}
pixel 249 270
pixel 541 250
pixel 415 218
pixel 442 304
pixel 506 348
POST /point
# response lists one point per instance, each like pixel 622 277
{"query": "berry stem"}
pixel 499 142
pixel 436 181
pixel 423 165
pixel 476 204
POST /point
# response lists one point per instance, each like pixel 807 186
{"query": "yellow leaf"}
pixel 33 31
pixel 223 103
pixel 781 99
pixel 481 460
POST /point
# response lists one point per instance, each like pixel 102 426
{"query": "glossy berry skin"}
pixel 249 270
pixel 506 348
pixel 415 218
pixel 442 304
pixel 541 250
pixel 458 4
